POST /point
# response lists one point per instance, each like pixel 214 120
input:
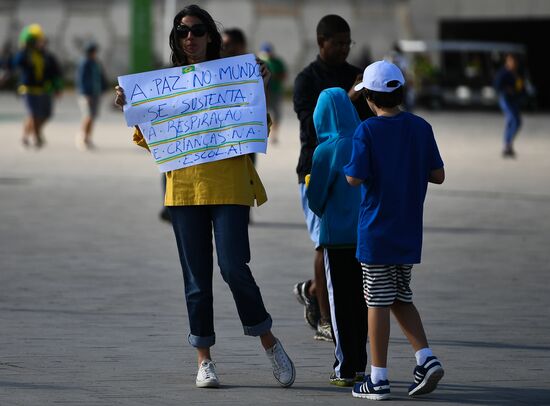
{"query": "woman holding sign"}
pixel 215 196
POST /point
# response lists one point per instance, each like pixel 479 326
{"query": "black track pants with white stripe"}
pixel 348 311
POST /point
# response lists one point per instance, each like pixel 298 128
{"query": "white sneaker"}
pixel 79 142
pixel 283 368
pixel 206 376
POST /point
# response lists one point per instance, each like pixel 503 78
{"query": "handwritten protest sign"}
pixel 199 113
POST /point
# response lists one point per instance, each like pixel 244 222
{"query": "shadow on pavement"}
pixel 475 230
pixel 280 225
pixel 487 395
pixel 483 194
pixel 481 344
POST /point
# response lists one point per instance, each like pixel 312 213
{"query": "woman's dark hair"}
pixel 178 56
pixel 386 99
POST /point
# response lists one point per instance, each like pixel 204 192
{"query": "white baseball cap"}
pixel 377 76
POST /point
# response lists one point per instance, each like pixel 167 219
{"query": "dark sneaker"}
pixel 39 142
pixel 300 290
pixel 426 377
pixel 311 309
pixel 283 367
pixel 508 153
pixel 324 331
pixel 368 390
pixel 342 382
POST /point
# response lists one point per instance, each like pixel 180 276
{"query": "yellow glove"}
pixel 308 176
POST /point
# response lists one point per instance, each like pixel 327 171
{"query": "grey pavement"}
pixel 91 294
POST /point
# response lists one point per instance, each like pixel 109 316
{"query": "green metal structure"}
pixel 141 40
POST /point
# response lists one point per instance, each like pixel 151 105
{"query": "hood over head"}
pixel 334 115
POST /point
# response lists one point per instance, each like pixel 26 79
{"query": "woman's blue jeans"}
pixel 193 228
pixel 510 108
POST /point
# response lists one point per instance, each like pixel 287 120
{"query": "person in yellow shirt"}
pixel 215 196
pixel 40 77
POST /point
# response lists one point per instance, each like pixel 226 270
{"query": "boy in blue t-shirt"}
pixel 394 157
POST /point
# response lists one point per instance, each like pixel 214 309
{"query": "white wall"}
pixel 289 25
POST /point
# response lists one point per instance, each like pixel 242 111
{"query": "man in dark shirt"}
pixel 330 69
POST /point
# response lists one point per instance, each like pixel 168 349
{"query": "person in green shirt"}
pixel 275 89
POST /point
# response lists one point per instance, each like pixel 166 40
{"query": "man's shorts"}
pixel 384 284
pixel 313 222
pixel 39 105
pixel 89 105
pixel 275 106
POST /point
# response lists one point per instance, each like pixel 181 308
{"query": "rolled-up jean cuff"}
pixel 259 329
pixel 201 342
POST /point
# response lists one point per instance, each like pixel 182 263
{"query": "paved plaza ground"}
pixel 92 310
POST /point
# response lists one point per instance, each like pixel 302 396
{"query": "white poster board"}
pixel 199 113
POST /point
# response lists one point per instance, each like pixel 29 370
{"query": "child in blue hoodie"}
pixel 337 204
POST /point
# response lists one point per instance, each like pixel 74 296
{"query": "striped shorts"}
pixel 384 284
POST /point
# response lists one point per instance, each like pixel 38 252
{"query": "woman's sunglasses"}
pixel 198 30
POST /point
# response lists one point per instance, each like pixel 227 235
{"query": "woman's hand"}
pixel 264 71
pixel 120 97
